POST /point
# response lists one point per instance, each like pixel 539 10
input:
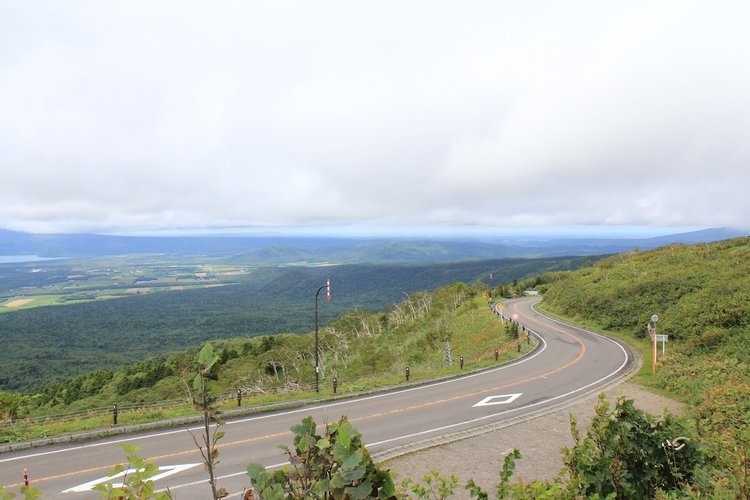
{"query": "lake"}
pixel 15 259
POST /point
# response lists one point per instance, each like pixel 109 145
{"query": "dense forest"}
pixel 49 343
pixel 701 295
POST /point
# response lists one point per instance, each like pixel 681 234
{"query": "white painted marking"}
pixel 164 471
pixel 515 410
pixel 474 420
pixel 205 481
pixel 503 399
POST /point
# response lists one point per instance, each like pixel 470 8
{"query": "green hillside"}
pixel 701 294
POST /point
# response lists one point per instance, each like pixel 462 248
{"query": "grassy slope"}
pixel 702 296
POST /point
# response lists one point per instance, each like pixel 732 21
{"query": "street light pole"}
pixel 327 287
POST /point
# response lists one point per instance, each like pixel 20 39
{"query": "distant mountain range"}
pixel 265 250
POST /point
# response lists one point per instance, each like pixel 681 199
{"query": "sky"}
pixel 182 116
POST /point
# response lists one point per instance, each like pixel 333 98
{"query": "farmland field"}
pixel 58 282
pixel 17 303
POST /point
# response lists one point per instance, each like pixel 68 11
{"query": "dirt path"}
pixel 539 440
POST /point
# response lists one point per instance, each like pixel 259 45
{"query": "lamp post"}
pixel 327 287
pixel 652 331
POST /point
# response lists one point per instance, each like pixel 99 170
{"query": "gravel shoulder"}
pixel 540 441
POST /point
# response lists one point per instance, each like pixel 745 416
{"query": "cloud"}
pixel 132 116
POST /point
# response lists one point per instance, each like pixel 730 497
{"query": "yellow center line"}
pixel 503 386
pixel 356 419
pixel 150 459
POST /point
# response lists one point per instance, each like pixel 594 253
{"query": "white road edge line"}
pixel 227 476
pixel 437 429
pixel 274 414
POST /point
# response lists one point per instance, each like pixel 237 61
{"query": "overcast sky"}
pixel 166 115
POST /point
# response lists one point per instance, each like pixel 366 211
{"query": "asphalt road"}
pixel 569 364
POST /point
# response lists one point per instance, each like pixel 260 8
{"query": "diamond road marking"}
pixel 164 471
pixel 503 399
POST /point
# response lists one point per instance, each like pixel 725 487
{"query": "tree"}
pixel 203 401
pixel 12 406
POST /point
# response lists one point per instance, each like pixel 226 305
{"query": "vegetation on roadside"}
pixel 332 465
pixel 701 294
pixel 136 482
pixel 626 453
pixel 361 350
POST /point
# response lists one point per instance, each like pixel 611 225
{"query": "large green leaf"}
pixel 352 460
pixel 363 490
pixel 348 476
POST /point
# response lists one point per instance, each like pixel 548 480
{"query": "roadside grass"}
pixel 476 333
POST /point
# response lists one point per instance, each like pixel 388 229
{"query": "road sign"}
pixel 663 339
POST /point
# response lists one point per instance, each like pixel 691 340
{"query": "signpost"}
pixel 652 331
pixel 663 339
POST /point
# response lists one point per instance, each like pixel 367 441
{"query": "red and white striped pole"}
pixel 327 286
pixel 25 477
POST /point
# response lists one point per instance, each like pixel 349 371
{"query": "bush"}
pixel 335 465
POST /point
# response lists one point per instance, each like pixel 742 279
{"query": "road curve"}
pixel 570 363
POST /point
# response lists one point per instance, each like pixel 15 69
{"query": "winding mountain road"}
pixel 569 364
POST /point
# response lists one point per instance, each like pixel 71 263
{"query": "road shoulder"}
pixel 539 439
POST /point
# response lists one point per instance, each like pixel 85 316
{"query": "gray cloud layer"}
pixel 147 115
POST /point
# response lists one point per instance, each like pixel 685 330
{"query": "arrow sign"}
pixel 164 471
pixel 503 399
